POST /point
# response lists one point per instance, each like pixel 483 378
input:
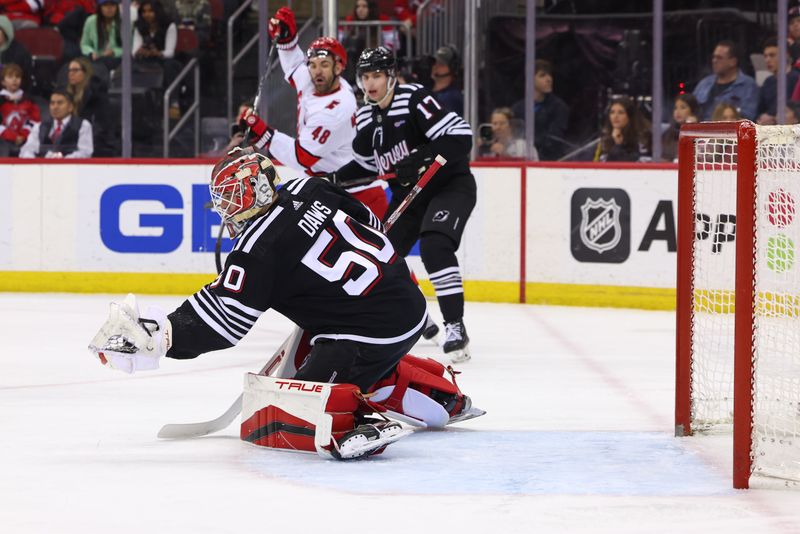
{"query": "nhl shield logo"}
pixel 600 225
pixel 600 228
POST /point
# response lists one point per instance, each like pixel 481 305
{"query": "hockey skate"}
pixel 467 412
pixel 368 439
pixel 431 331
pixel 456 342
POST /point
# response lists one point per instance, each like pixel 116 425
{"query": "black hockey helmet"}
pixel 376 59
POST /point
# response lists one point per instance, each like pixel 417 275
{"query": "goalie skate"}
pixel 368 439
pixel 468 412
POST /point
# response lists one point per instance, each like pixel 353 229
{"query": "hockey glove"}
pixel 409 169
pixel 129 342
pixel 283 29
pixel 260 133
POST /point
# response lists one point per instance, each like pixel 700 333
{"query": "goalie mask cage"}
pixel 738 293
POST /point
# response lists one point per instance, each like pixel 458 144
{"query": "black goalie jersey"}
pixel 317 258
pixel 412 119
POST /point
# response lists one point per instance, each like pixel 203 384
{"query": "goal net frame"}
pixel 694 139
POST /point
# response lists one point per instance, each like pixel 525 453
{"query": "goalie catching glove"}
pixel 129 342
pixel 260 133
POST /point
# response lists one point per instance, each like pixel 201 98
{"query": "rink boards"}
pixel 578 234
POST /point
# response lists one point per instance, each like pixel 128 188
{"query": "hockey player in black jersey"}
pixel 316 255
pixel 400 131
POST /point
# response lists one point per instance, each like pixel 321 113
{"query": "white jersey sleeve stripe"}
pixel 365 162
pixel 233 303
pixel 210 306
pixel 447 120
pixel 210 322
pixel 234 320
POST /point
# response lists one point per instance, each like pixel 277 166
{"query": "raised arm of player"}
pixel 283 31
pixel 222 312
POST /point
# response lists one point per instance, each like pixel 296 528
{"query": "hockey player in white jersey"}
pixel 326 108
pixel 326 111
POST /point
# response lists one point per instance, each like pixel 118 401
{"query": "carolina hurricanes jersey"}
pixel 318 257
pixel 412 119
pixel 325 123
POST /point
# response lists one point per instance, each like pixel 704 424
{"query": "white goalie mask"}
pixel 242 186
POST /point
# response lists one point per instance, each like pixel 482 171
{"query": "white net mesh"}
pixel 713 283
pixel 776 339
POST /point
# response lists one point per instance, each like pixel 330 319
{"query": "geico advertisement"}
pixel 148 219
pixel 608 226
pixel 153 218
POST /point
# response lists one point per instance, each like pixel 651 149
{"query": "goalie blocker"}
pixel 338 421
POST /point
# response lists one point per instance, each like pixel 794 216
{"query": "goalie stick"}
pixel 194 430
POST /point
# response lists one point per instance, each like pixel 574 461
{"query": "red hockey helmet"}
pixel 242 186
pixel 327 46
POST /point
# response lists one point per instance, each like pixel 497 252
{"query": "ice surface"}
pixel 578 438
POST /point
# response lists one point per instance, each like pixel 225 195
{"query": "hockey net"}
pixel 738 322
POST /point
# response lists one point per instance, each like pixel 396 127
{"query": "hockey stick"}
pixel 256 100
pixel 194 430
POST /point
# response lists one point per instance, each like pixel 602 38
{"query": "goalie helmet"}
pixel 242 186
pixel 378 59
pixel 327 47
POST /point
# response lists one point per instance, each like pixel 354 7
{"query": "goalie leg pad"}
pixel 307 416
pixel 415 378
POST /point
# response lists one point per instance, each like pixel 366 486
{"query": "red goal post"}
pixel 738 293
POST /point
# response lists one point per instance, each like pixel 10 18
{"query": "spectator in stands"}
pixel 12 51
pixel 626 133
pixel 725 112
pixel 445 76
pixel 154 40
pixel 367 10
pixel 405 11
pixel 154 36
pixel 195 15
pixel 22 13
pixel 61 135
pixel 504 141
pixel 101 40
pixel 357 38
pixel 19 113
pixel 768 94
pixel 794 36
pixel 684 111
pixel 68 16
pixel 727 83
pixel 90 100
pixel 551 114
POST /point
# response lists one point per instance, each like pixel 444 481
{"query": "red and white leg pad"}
pixel 418 390
pixel 298 415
